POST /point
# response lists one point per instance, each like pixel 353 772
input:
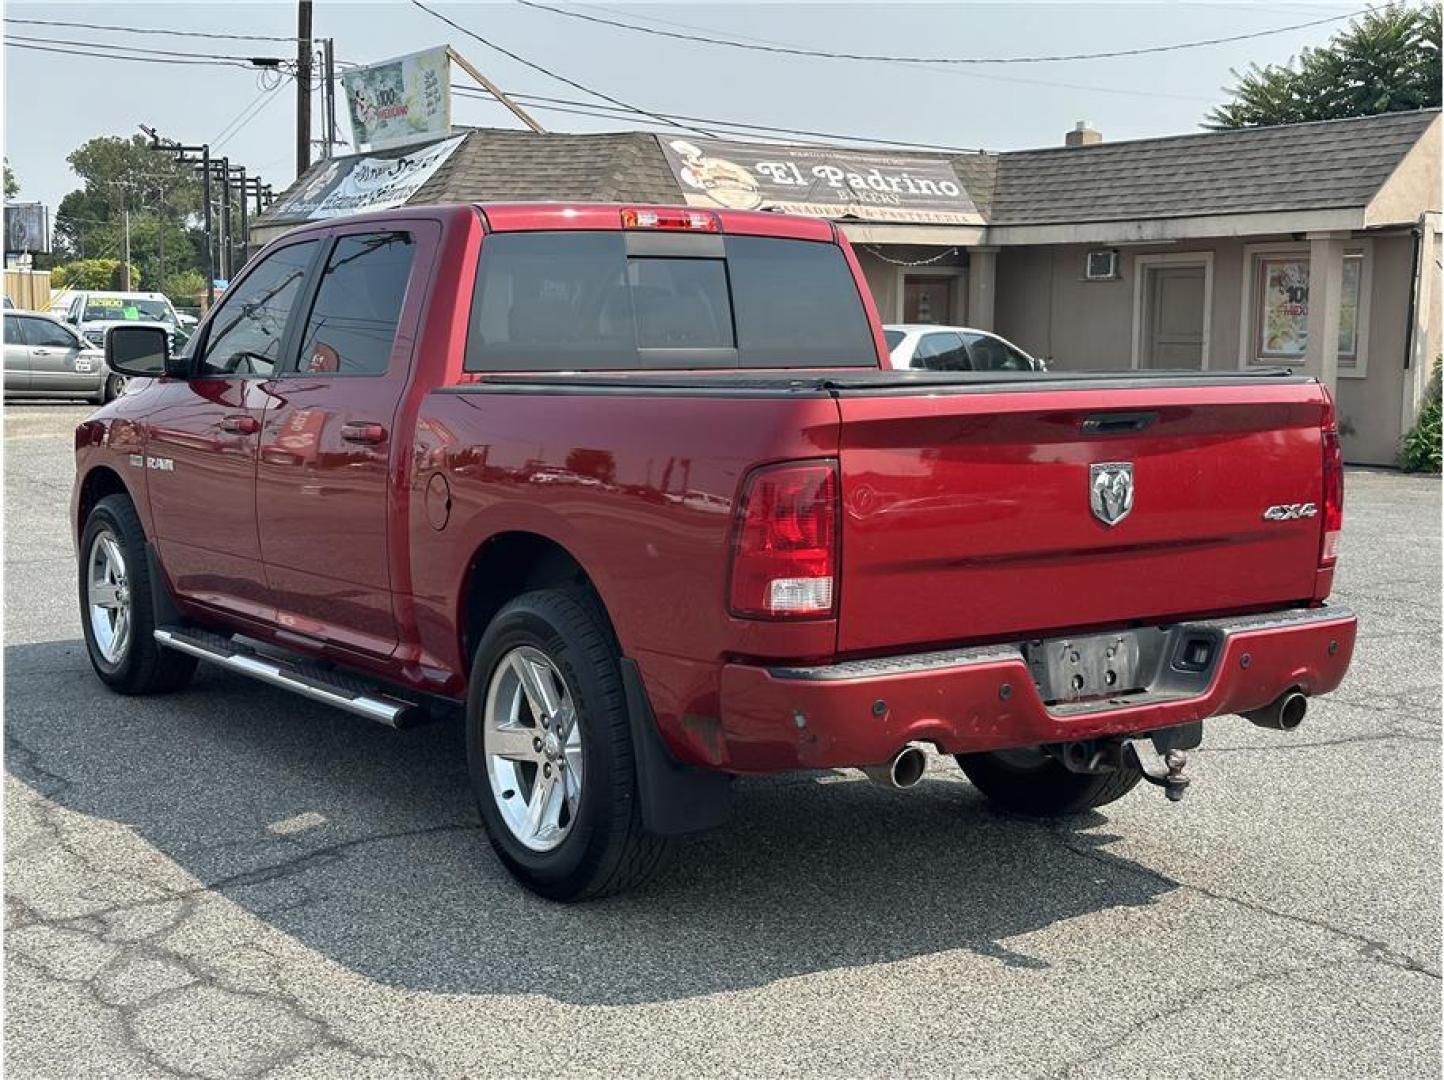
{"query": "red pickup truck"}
pixel 633 487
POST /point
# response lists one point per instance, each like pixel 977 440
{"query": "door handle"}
pixel 361 432
pixel 39 352
pixel 241 424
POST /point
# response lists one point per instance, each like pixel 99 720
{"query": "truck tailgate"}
pixel 967 516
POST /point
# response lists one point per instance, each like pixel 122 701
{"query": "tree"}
pixel 94 274
pixel 160 195
pixel 1386 62
pixel 184 287
pixel 12 186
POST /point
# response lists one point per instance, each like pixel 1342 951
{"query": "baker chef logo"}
pixel 724 182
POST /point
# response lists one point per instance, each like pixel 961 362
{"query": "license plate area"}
pixel 1114 667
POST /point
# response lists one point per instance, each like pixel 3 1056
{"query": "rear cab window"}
pixel 596 301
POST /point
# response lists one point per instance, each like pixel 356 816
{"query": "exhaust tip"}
pixel 1283 714
pixel 1291 711
pixel 908 767
pixel 904 770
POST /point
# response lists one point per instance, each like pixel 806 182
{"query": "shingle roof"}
pixel 519 166
pixel 1328 164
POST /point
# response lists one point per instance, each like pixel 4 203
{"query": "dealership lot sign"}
pixel 352 185
pixel 818 181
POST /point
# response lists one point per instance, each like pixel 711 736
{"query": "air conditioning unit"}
pixel 1102 265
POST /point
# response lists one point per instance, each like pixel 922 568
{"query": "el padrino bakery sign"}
pixel 818 182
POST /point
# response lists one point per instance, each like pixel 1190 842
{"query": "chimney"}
pixel 1082 135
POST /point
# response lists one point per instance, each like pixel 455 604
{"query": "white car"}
pixel 92 312
pixel 927 347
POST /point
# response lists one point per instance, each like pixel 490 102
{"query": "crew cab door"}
pixel 202 436
pixel 324 475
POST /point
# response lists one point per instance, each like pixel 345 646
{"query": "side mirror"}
pixel 142 351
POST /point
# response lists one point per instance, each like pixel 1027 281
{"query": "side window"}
pixel 1017 359
pixel 15 330
pixel 44 334
pixel 247 329
pixel 941 352
pixel 352 325
pixel 73 315
pixel 990 354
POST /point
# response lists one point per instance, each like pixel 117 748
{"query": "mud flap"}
pixel 163 607
pixel 674 798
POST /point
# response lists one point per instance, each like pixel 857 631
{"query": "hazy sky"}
pixel 53 103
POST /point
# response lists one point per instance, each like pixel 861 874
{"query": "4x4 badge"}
pixel 1110 490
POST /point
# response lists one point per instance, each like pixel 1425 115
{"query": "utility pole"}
pixel 206 202
pixel 245 218
pixel 303 87
pixel 226 238
pixel 125 264
pixel 328 52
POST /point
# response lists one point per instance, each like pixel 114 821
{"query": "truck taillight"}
pixel 685 220
pixel 1333 485
pixel 784 543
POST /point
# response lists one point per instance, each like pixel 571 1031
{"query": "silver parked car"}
pixel 954 348
pixel 44 358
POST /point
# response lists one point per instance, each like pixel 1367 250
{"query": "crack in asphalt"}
pixel 1187 1004
pixel 98 926
pixel 1370 948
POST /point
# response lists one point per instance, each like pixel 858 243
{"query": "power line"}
pixel 139 30
pixel 190 54
pixel 955 71
pixel 552 74
pixel 789 50
pixel 246 115
pixel 246 66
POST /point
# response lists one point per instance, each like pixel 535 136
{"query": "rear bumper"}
pixel 969 700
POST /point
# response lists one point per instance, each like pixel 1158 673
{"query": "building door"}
pixel 928 298
pixel 1173 316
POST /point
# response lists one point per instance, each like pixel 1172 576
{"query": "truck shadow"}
pixel 364 845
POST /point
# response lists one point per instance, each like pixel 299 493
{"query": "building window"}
pixel 1281 308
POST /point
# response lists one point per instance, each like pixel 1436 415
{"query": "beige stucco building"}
pixel 1316 246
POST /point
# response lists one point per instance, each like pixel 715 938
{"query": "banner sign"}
pixel 400 102
pixel 352 185
pixel 818 181
pixel 26 227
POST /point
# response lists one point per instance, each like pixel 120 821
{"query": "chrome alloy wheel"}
pixel 533 747
pixel 107 593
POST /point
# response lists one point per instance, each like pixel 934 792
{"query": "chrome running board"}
pixel 319 684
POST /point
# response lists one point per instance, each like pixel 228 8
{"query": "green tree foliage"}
pixel 1388 61
pixel 161 196
pixel 12 186
pixel 1422 450
pixel 94 274
pixel 184 287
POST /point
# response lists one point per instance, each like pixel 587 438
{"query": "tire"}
pixel 1042 787
pixel 136 665
pixel 114 387
pixel 597 845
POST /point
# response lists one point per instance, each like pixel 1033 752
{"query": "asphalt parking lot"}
pixel 233 882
